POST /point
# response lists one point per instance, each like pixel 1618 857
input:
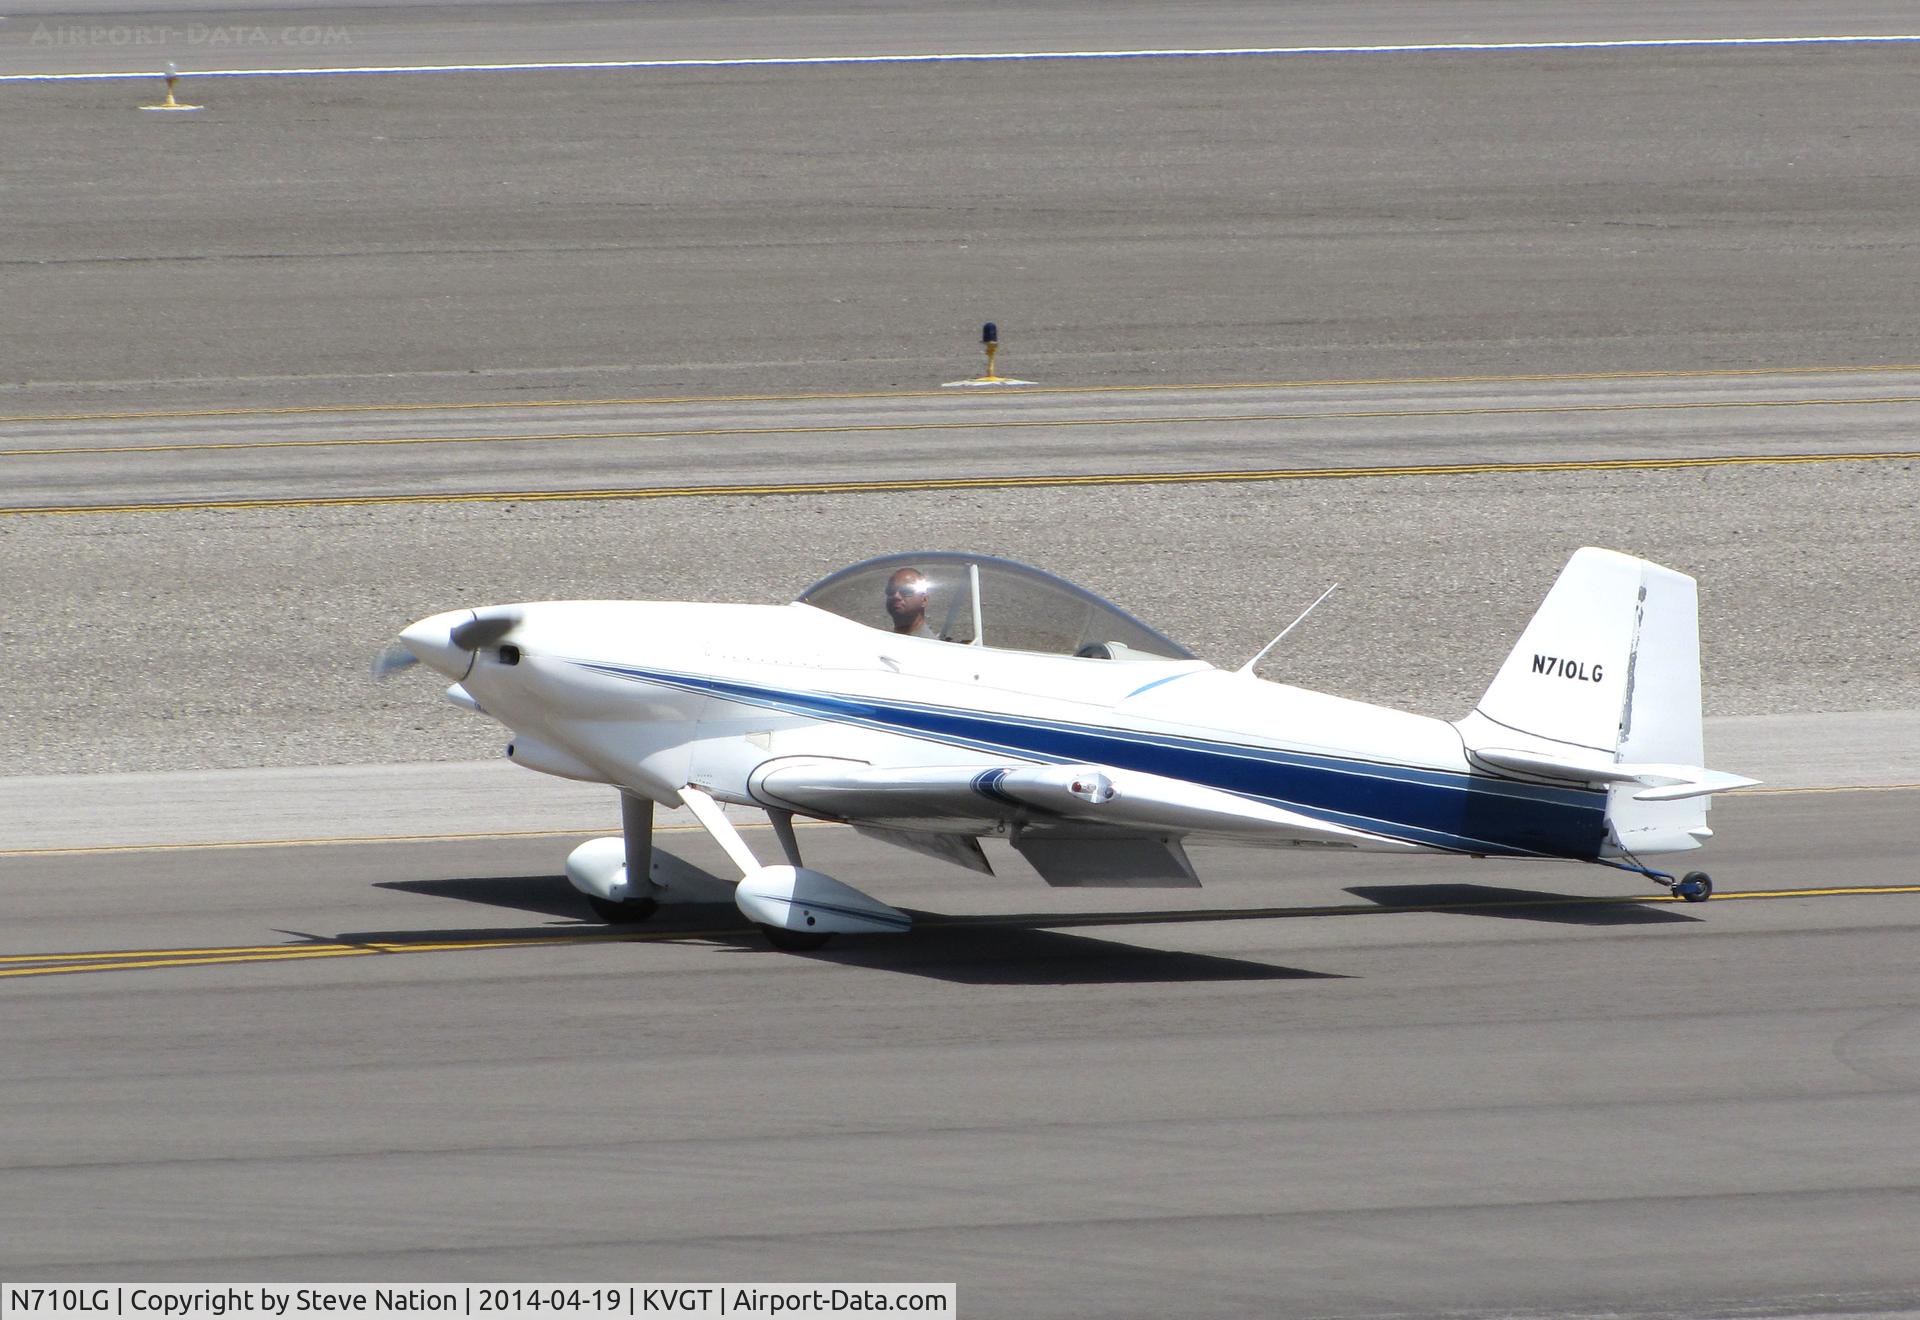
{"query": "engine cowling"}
pixel 550 760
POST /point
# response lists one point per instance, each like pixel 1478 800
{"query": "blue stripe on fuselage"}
pixel 1436 808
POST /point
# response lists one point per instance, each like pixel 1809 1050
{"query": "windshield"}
pixel 995 602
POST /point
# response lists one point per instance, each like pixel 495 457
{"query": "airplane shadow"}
pixel 549 895
pixel 1007 951
pixel 1519 904
pixel 1014 950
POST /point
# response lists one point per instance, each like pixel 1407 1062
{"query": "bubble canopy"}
pixel 989 601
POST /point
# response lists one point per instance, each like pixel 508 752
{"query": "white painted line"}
pixel 982 57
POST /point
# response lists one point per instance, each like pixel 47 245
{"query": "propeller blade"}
pixel 393 657
pixel 483 630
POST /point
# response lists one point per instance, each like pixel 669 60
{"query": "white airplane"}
pixel 934 699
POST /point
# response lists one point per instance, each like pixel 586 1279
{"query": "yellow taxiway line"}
pixel 315 410
pixel 1764 791
pixel 62 964
pixel 145 960
pixel 1229 476
pixel 1005 423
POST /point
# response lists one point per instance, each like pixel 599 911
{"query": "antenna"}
pixel 1247 668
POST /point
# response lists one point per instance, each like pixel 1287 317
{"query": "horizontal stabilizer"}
pixel 1664 783
pixel 1702 783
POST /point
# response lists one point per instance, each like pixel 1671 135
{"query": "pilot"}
pixel 907 602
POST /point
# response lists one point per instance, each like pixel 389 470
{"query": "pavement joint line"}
pixel 56 964
pixel 1006 423
pixel 342 840
pixel 1732 373
pixel 348 840
pixel 980 57
pixel 1229 476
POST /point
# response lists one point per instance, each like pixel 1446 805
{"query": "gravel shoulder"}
pixel 200 641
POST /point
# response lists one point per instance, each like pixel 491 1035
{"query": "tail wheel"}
pixel 629 913
pixel 1694 887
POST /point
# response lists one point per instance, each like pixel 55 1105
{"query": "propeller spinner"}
pixel 445 641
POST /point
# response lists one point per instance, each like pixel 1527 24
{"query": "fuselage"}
pixel 652 696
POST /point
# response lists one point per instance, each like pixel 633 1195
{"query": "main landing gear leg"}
pixel 708 813
pixel 782 822
pixel 636 824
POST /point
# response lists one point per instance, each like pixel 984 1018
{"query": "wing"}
pixel 1083 800
pixel 1077 825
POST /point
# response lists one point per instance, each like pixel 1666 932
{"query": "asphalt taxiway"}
pixel 1512 1089
pixel 740 230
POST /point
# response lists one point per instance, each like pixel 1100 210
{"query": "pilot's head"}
pixel 907 600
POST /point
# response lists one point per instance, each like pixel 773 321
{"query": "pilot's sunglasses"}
pixel 919 590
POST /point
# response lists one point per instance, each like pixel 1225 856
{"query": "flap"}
pixel 1097 862
pixel 960 849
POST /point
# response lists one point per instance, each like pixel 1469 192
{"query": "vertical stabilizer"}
pixel 1604 689
pixel 1570 678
